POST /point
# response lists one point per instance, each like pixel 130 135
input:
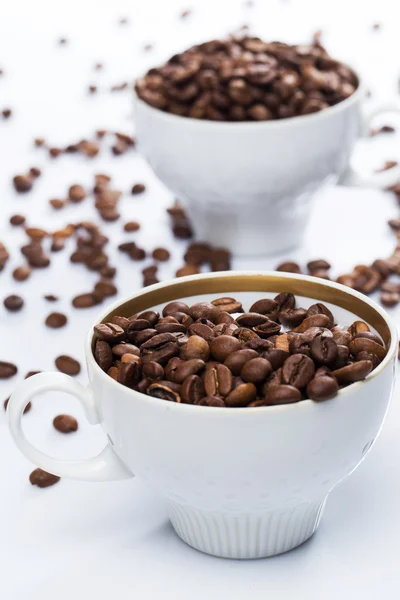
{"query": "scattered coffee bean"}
pixel 17 220
pixel 13 303
pixel 7 370
pixel 138 188
pixel 65 423
pixel 161 254
pixel 187 270
pixel 56 320
pixel 389 299
pixel 76 193
pixel 85 300
pixel 131 226
pixel 23 183
pixel 43 479
pixel 6 112
pixel 68 365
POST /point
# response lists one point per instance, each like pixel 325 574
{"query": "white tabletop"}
pixel 102 541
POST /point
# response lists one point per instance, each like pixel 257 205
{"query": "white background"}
pixel 113 540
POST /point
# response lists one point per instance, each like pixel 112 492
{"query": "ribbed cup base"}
pixel 246 536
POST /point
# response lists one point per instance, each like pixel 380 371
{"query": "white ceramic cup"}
pixel 238 482
pixel 247 186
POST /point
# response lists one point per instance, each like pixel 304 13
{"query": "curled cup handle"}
pixel 106 466
pixel 352 177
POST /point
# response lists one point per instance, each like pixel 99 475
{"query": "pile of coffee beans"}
pixel 215 354
pixel 246 79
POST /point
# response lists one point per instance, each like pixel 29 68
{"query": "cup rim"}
pixel 303 404
pixel 252 125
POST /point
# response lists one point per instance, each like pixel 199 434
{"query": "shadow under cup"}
pixel 240 482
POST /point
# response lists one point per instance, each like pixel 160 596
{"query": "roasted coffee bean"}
pixel 251 319
pixel 170 327
pixel 131 226
pixel 103 355
pixel 174 307
pixel 256 370
pixel 204 310
pixel 122 322
pixel 285 301
pixel 22 183
pixel 138 188
pixel 324 350
pixel 298 370
pixel 153 371
pixel 171 368
pixel 201 330
pixel 341 336
pixel 17 220
pixel 321 309
pixel 228 305
pixel 109 332
pixel 68 365
pixel 159 348
pixel 236 360
pixel 50 298
pixel 342 357
pixel 259 344
pixel 22 273
pixel 241 395
pixel 370 336
pixel 129 373
pixel 289 267
pixel 13 303
pixel 211 401
pixel 364 355
pixel 85 300
pixel 389 299
pixel 151 316
pixel 224 318
pixel 283 394
pixel 267 329
pixel 225 329
pixel 161 254
pixel 292 317
pixel 56 320
pixel 298 345
pixel 189 367
pixel 43 479
pixel 322 388
pixel 276 357
pixel 157 390
pixel 312 321
pixel 192 390
pixel 65 423
pixel 354 372
pixel 105 289
pixel 7 370
pixel 316 265
pixel 359 344
pixel 140 337
pixel 218 381
pixel 76 193
pixel 224 345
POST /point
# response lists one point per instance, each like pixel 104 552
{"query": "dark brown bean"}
pixel 153 371
pixel 359 344
pixel 13 303
pixel 189 367
pixel 192 390
pixel 22 273
pixel 56 320
pixel 256 370
pixel 224 345
pixel 283 394
pixel 103 355
pixel 228 305
pixel 129 373
pixel 354 372
pixel 241 395
pixel 252 319
pixel 43 479
pixel 174 307
pixel 322 388
pixel 211 401
pixel 298 370
pixel 218 381
pixel 267 329
pixel 164 392
pixel 68 365
pixel 7 370
pixel 65 423
pixel 204 310
pixel 321 309
pixel 236 360
pixel 85 300
pixel 324 350
pixel 267 307
pixel 109 332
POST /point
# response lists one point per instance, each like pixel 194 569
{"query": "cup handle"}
pixel 351 177
pixel 106 466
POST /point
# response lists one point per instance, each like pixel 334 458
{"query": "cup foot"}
pixel 244 536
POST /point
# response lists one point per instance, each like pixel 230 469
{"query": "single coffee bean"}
pixel 201 330
pixel 22 273
pixel 105 289
pixel 286 301
pixel 236 360
pixel 153 371
pixel 364 355
pixel 65 423
pixel 322 388
pixel 151 316
pixel 13 303
pixel 276 357
pixel 241 395
pixel 225 329
pixel 218 381
pixel 228 305
pixel 259 344
pixel 7 370
pixel 189 367
pixel 43 479
pixel 130 372
pixel 158 390
pixel 224 318
pixel 256 370
pixel 103 355
pixel 159 348
pixel 171 368
pixel 211 401
pixel 192 390
pixel 224 345
pixel 369 335
pixel 324 350
pixel 354 372
pixel 313 321
pixel 341 336
pixel 68 365
pixel 342 357
pixel 161 254
pixel 283 394
pixel 251 319
pixel 267 329
pixel 298 345
pixel 359 344
pixel 389 299
pixel 17 220
pixel 170 327
pixel 298 370
pixel 109 332
pixel 204 310
pixel 289 267
pixel 267 307
pixel 140 337
pixel 196 347
pixel 315 265
pixel 357 327
pixel 292 317
pixel 124 348
pixel 321 309
pixel 173 307
pixel 56 320
pixel 85 300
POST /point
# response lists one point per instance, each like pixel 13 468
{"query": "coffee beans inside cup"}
pixel 216 354
pixel 246 79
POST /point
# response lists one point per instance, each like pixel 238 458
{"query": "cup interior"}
pixel 347 305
